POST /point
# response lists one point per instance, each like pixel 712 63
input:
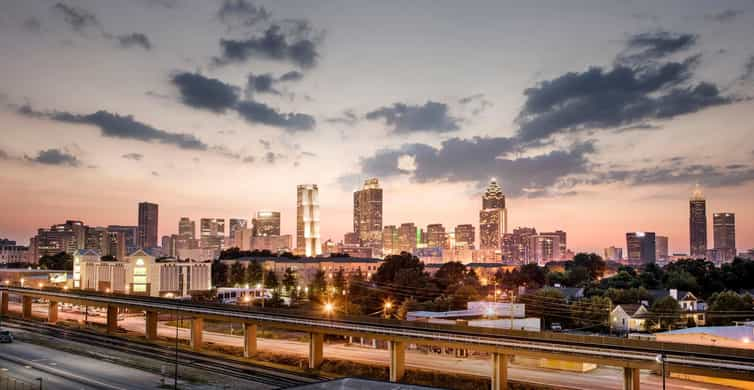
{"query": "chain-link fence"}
pixel 8 382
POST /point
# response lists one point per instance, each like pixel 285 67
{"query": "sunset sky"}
pixel 596 117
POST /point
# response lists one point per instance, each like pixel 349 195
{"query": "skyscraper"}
pixel 641 248
pixel 307 220
pixel 613 253
pixel 234 225
pixel 408 236
pixel 390 240
pixel 493 218
pixel 266 223
pixel 187 228
pixel 436 236
pixel 147 228
pixel 465 236
pixel 698 224
pixel 212 232
pixel 661 249
pixel 724 232
pixel 367 215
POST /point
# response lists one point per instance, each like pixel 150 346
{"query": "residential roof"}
pixel 629 308
pixel 87 252
pixel 741 333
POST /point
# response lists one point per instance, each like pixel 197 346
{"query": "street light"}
pixel 661 359
pixel 386 309
pixel 329 308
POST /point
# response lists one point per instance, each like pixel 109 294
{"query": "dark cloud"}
pixel 155 173
pixel 255 112
pixel 248 159
pixel 748 73
pixel 348 117
pixel 476 160
pixel 206 93
pixel 650 46
pixel 133 156
pixel 275 44
pixel 272 157
pixel 134 40
pixel 725 16
pixel 4 155
pixel 293 75
pixel 677 172
pixel 638 127
pixel 622 96
pixel 79 19
pixel 431 117
pixel 478 102
pixel 265 144
pixel 262 83
pixel 32 24
pixel 55 157
pixel 163 3
pixel 123 127
pixel 237 13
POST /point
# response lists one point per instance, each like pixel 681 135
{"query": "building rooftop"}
pixel 310 260
pixel 742 333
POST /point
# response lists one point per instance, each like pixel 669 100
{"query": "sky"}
pixel 596 117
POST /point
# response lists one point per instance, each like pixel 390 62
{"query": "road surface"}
pixel 603 378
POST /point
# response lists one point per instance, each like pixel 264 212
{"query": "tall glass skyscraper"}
pixel 147 228
pixel 724 232
pixel 493 218
pixel 307 220
pixel 367 215
pixel 698 224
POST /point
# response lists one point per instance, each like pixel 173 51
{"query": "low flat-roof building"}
pixel 140 273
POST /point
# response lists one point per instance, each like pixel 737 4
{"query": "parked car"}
pixel 555 327
pixel 6 336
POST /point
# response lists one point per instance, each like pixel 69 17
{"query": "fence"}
pixel 8 382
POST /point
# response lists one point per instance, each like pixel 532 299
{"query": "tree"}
pixel 682 280
pixel 651 276
pixel 406 306
pixel 727 307
pixel 403 271
pixel 591 313
pixel 254 273
pixel 339 281
pixel 665 312
pixel 237 273
pixel 592 262
pixel 58 261
pixel 289 280
pixel 271 280
pixel 578 276
pixel 219 273
pixel 318 286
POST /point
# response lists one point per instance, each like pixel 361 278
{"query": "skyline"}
pixel 402 106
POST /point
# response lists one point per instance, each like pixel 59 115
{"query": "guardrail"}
pixel 594 346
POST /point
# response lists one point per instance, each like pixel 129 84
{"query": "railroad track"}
pixel 247 372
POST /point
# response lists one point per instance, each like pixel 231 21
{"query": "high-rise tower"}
pixel 367 215
pixel 307 220
pixel 493 218
pixel 724 232
pixel 147 228
pixel 698 224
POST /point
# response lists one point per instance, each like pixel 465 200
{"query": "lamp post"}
pixel 661 359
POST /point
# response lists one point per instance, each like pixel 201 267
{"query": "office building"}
pixel 187 228
pixel 724 232
pixel 698 224
pixel 234 225
pixel 367 215
pixel 407 237
pixel 493 218
pixel 661 249
pixel 129 235
pixel 613 254
pixel 66 237
pixel 147 226
pixel 10 253
pixel 266 223
pixel 563 246
pixel 307 220
pixel 436 236
pixel 211 233
pixel 641 248
pixel 274 244
pixel 97 238
pixel 544 249
pixel 117 244
pixel 516 246
pixel 390 241
pixel 465 237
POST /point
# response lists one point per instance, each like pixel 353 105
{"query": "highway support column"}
pixel 4 302
pixel 26 307
pixel 631 378
pixel 316 354
pixel 499 371
pixel 397 351
pixel 52 312
pixel 197 327
pixel 112 318
pixel 151 325
pixel 249 339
